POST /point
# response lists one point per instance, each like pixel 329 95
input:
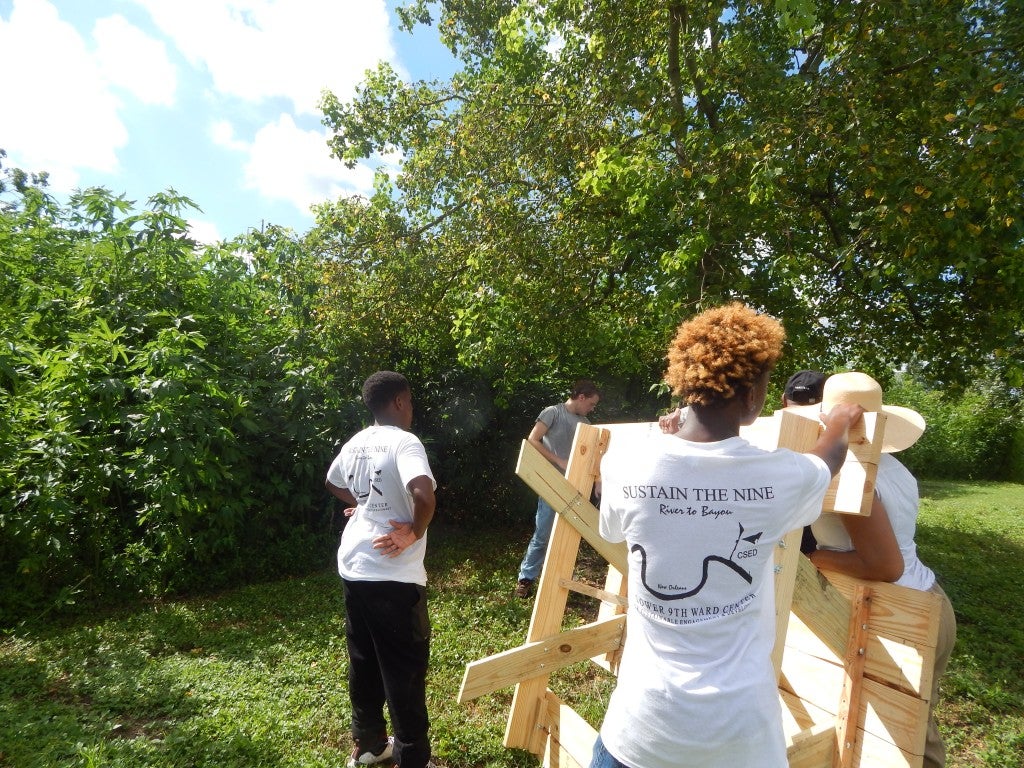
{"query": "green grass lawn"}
pixel 256 676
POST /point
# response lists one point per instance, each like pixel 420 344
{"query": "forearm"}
pixel 423 504
pixel 850 563
pixel 835 440
pixel 343 494
pixel 548 454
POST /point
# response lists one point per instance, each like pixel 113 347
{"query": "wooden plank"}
pixel 890 662
pixel 812 748
pixel 604 596
pixel 570 742
pixel 542 657
pixel 564 495
pixel 849 699
pixel 786 555
pixel 902 613
pixel 872 752
pixel 885 713
pixel 538 473
pixel 852 490
pixel 615 583
pixel 821 607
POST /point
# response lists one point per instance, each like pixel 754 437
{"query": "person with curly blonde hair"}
pixel 701 512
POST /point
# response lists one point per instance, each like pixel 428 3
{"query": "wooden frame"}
pixel 854 658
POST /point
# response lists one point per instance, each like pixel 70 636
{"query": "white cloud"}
pixel 58 115
pixel 203 232
pixel 286 162
pixel 133 60
pixel 261 49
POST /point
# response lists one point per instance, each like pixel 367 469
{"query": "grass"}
pixel 257 676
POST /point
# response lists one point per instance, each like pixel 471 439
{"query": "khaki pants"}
pixel 934 749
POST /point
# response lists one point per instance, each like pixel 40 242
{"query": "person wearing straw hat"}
pixel 881 546
pixel 702 512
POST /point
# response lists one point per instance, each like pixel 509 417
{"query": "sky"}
pixel 214 98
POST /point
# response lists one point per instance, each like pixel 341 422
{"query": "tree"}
pixel 597 170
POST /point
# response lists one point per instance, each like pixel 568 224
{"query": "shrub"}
pixel 970 435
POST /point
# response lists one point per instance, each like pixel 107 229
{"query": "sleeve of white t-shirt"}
pixel 411 461
pixel 336 475
pixel 609 521
pixel 816 478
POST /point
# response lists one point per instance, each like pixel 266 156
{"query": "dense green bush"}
pixel 165 418
pixel 974 434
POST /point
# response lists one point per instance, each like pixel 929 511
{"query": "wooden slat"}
pixel 604 596
pixel 542 657
pixel 615 582
pixel 852 490
pixel 872 752
pixel 786 556
pixel 909 615
pixel 891 662
pixel 812 748
pixel 538 473
pixel 821 607
pixel 568 496
pixel 570 742
pixel 848 714
pixel 884 712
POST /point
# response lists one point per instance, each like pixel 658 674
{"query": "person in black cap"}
pixel 803 388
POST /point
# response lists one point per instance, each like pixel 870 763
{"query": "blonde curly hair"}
pixel 722 351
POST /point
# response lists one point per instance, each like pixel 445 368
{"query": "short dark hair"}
pixel 584 388
pixel 381 388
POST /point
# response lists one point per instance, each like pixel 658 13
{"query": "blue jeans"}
pixel 538 546
pixel 603 758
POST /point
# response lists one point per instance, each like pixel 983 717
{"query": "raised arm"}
pixel 834 441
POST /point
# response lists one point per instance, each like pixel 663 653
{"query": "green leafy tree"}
pixel 597 170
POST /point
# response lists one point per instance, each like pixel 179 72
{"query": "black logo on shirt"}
pixel 705 567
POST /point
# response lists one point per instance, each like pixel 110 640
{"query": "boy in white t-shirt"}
pixel 701 512
pixel 382 474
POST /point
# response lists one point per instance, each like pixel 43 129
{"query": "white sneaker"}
pixel 369 758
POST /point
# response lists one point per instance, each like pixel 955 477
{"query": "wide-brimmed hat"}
pixel 903 426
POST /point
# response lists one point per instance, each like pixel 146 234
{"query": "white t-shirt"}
pixel 696 686
pixel 376 466
pixel 897 489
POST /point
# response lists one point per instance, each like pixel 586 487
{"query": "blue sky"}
pixel 215 98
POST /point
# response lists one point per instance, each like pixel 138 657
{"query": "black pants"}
pixel 388 634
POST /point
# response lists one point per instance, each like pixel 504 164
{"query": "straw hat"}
pixel 903 426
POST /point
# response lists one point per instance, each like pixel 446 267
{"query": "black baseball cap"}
pixel 805 387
